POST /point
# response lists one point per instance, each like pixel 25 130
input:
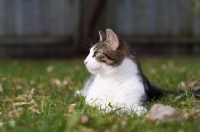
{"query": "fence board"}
pixel 36 18
pixel 2 17
pixel 152 18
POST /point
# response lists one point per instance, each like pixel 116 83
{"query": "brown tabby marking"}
pixel 108 55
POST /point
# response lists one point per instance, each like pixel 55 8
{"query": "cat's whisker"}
pixel 86 41
pixel 85 49
pixel 94 40
pixel 90 42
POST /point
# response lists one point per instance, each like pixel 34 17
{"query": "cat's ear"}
pixel 102 35
pixel 112 39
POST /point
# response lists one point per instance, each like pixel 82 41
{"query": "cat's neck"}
pixel 126 69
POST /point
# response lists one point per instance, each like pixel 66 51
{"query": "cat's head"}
pixel 109 52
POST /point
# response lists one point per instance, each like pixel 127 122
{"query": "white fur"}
pixel 118 86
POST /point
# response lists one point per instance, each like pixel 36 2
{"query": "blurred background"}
pixel 64 28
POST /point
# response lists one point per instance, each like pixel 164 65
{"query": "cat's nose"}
pixel 85 62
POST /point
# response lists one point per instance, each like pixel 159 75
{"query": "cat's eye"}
pixel 96 54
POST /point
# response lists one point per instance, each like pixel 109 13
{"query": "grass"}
pixel 38 96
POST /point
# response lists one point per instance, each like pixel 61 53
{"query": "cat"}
pixel 117 82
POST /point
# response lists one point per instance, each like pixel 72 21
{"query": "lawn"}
pixel 38 96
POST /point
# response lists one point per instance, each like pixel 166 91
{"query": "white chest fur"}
pixel 119 86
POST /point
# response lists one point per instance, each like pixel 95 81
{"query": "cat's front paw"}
pixel 78 93
pixel 139 110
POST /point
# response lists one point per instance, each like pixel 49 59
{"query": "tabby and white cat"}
pixel 117 82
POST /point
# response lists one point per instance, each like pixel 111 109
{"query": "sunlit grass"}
pixel 39 96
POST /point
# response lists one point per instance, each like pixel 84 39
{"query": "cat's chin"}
pixel 94 70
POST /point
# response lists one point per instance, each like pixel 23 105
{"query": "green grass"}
pixel 49 107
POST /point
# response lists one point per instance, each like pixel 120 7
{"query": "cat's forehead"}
pixel 101 46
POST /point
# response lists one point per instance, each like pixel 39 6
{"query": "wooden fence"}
pixel 38 27
pixel 54 27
